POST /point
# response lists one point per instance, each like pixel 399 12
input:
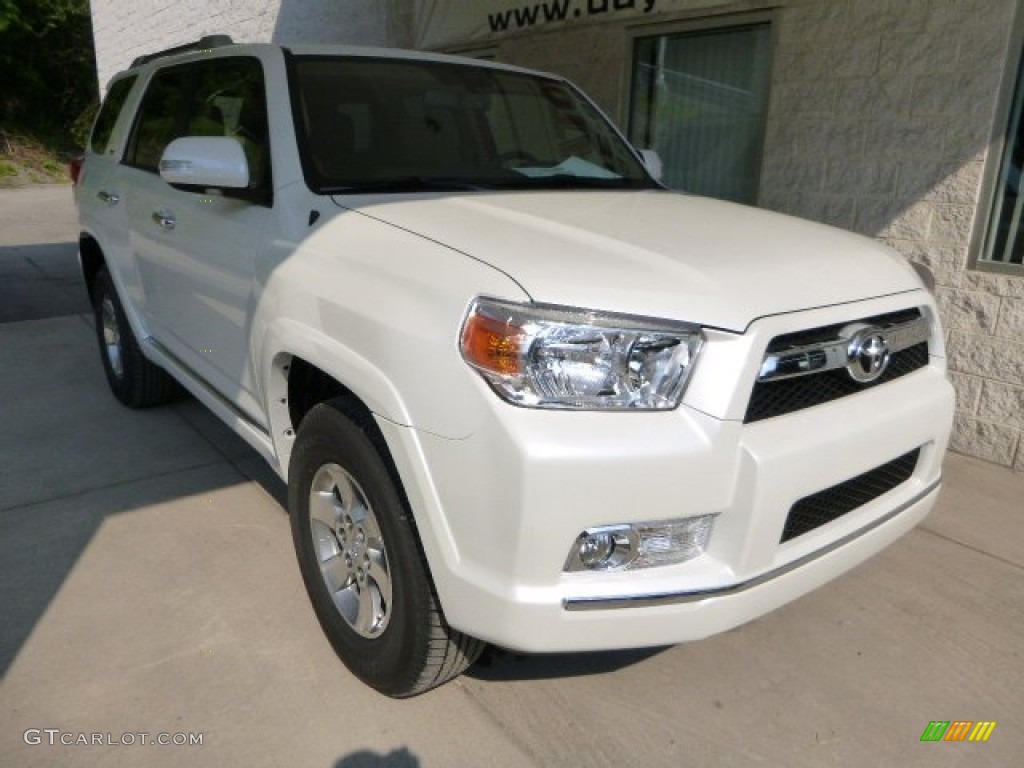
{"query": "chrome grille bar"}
pixel 820 357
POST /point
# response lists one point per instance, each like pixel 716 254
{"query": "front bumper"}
pixel 498 511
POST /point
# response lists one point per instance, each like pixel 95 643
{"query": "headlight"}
pixel 544 356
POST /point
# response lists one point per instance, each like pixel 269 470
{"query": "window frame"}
pixel 690 24
pixel 1009 87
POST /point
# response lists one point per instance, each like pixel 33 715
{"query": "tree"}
pixel 46 55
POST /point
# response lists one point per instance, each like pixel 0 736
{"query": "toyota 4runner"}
pixel 519 391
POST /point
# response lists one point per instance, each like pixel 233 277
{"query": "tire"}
pixel 134 380
pixel 361 560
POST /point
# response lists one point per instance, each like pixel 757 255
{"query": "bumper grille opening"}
pixel 832 503
pixel 777 398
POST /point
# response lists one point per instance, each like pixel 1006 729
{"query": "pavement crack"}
pixel 38 269
pixel 972 548
pixel 521 744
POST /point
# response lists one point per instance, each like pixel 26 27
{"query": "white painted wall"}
pixel 124 29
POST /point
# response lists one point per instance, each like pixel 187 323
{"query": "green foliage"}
pixel 82 126
pixel 29 159
pixel 46 55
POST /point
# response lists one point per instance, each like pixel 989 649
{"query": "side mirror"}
pixel 652 161
pixel 205 161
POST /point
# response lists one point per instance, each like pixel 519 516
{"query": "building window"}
pixel 1004 235
pixel 699 98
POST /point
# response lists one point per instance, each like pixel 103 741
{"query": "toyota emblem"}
pixel 867 354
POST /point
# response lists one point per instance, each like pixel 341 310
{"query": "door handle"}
pixel 108 197
pixel 164 219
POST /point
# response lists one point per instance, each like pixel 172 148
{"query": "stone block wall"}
pixel 880 120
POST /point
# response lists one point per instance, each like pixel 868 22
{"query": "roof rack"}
pixel 202 44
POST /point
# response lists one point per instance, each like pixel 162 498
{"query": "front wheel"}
pixel 361 562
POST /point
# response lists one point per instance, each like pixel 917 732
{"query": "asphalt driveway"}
pixel 149 587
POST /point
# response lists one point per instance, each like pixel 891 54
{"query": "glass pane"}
pixel 699 99
pixel 229 100
pixel 397 125
pixel 109 112
pixel 158 121
pixel 1005 234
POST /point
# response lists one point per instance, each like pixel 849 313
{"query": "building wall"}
pixel 124 29
pixel 880 122
pixel 880 117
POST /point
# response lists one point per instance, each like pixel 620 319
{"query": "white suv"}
pixel 520 392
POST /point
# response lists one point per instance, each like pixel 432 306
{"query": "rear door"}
pixel 196 248
pixel 99 193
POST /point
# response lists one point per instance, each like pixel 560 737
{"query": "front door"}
pixel 196 248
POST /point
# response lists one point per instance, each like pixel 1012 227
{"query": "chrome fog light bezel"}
pixel 636 546
pixel 623 549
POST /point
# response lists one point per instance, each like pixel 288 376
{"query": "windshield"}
pixel 369 124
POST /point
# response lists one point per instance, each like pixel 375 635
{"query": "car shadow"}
pixel 499 665
pixel 365 758
pixel 42 280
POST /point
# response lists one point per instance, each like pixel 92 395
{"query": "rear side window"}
pixel 105 120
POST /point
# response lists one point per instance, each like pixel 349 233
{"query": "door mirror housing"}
pixel 652 162
pixel 205 161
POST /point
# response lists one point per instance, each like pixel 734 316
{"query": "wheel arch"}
pixel 90 258
pixel 302 367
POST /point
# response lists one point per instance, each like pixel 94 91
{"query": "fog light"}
pixel 598 549
pixel 641 545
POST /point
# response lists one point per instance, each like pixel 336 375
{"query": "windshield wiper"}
pixel 408 184
pixel 572 181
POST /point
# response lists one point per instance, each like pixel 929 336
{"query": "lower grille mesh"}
pixel 832 503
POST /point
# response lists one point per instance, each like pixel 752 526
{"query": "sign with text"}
pixel 447 23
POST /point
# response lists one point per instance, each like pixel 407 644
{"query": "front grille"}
pixel 832 503
pixel 777 398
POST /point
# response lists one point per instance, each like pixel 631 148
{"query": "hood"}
pixel 653 253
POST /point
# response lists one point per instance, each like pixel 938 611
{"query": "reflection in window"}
pixel 158 120
pixel 229 100
pixel 699 99
pixel 109 113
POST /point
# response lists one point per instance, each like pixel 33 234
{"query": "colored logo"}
pixel 958 730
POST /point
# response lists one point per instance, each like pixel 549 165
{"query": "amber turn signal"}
pixel 492 345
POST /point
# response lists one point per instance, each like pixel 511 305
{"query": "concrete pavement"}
pixel 149 586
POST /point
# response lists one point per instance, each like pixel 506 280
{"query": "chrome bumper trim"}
pixel 673 598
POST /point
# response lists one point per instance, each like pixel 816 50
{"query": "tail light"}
pixel 75 168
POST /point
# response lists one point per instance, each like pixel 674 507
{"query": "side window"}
pixel 105 120
pixel 228 99
pixel 159 120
